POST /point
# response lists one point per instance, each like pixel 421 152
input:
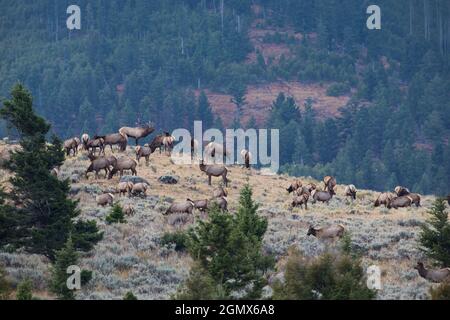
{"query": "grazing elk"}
pixel 400 202
pixel 124 164
pixel 215 170
pixel 325 233
pixel 246 157
pixel 437 275
pixel 384 198
pixel 329 182
pixel 294 186
pixel 139 189
pixel 350 191
pixel 184 207
pixel 138 132
pixel 145 152
pixel 98 164
pixel 201 205
pixel 84 140
pixel 124 188
pixel 114 139
pixel 71 145
pixel 105 199
pixel 128 209
pixel 401 191
pixel 322 196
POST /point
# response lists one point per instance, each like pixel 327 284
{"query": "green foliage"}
pixel 130 296
pixel 5 286
pixel 65 257
pixel 116 215
pixel 327 277
pixel 441 292
pixel 179 239
pixel 228 251
pixel 435 234
pixel 25 290
pixel 43 215
pixel 338 89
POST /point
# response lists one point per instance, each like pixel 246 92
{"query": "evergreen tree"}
pixel 129 296
pixel 204 112
pixel 116 215
pixel 43 215
pixel 435 234
pixel 25 290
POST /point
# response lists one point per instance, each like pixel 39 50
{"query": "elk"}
pixel 84 140
pixel 300 200
pixel 296 184
pixel 162 140
pixel 246 157
pixel 350 191
pixel 322 196
pixel 384 198
pixel 221 202
pixel 201 205
pixel 437 275
pixel 124 187
pixel 105 199
pixel 114 139
pixel 184 207
pixel 220 192
pixel 71 145
pixel 215 170
pixel 139 189
pixel 329 182
pixel 137 132
pixel 128 209
pixel 401 191
pixel 325 233
pixel 415 198
pixel 214 150
pixel 400 202
pixel 145 152
pixel 92 145
pixel 124 164
pixel 98 164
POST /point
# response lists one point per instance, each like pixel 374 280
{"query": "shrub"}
pixel 129 296
pixel 25 290
pixel 179 239
pixel 116 215
pixel 435 234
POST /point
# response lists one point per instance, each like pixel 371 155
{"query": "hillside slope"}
pixel 130 257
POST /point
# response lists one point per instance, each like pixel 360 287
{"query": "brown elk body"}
pixel 332 232
pixel 124 164
pixel 137 132
pixel 438 275
pixel 214 170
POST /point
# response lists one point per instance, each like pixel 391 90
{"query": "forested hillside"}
pixel 137 60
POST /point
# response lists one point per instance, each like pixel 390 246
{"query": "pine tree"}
pixel 65 257
pixel 435 234
pixel 43 215
pixel 116 215
pixel 129 296
pixel 204 112
pixel 25 290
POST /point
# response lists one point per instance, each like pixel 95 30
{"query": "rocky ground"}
pixel 131 258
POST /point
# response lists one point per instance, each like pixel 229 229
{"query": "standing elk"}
pixel 246 157
pixel 329 182
pixel 214 170
pixel 139 189
pixel 71 145
pixel 137 132
pixel 300 200
pixel 213 151
pixel 384 198
pixel 322 196
pixel 105 199
pixel 184 207
pixel 350 191
pixel 114 139
pixel 93 144
pixel 84 140
pixel 325 233
pixel 296 184
pixel 124 164
pixel 145 152
pixel 125 188
pixel 98 164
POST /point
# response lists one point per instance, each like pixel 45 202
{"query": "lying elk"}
pixel 215 170
pixel 329 182
pixel 325 233
pixel 124 164
pixel 71 145
pixel 322 196
pixel 84 140
pixel 384 198
pixel 350 191
pixel 124 187
pixel 437 275
pixel 93 144
pixel 246 157
pixel 114 139
pixel 294 186
pixel 401 191
pixel 105 199
pixel 138 132
pixel 145 152
pixel 139 189
pixel 184 207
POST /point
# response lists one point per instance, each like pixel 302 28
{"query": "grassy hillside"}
pixel 131 258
